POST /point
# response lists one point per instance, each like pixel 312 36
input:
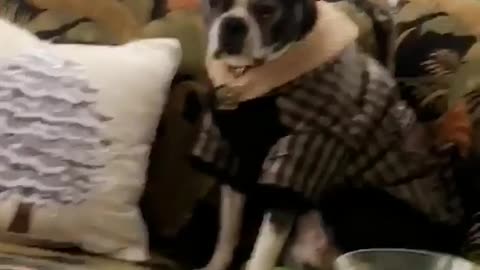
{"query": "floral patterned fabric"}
pixel 437 58
pixel 113 22
pixel 433 46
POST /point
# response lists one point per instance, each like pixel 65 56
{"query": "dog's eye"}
pixel 263 11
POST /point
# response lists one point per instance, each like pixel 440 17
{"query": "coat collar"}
pixel 333 32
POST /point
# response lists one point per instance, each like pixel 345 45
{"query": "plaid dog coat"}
pixel 342 123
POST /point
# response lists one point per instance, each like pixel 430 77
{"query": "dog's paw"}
pixel 310 246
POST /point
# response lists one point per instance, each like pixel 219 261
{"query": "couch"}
pixel 432 47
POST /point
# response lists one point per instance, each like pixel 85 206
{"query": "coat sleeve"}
pixel 211 153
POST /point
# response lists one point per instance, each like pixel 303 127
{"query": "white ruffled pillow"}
pixel 77 123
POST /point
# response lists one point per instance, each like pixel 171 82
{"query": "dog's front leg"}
pixel 272 236
pixel 231 213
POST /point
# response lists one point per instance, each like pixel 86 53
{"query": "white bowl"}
pixel 401 259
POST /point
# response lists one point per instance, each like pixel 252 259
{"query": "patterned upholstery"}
pixel 436 53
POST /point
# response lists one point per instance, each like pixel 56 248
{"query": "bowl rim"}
pixel 344 256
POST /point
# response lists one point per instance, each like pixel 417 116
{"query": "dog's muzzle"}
pixel 233 32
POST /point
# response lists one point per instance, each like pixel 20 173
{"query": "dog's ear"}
pixel 308 17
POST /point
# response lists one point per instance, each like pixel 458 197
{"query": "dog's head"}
pixel 247 32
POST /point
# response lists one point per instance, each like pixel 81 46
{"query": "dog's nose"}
pixel 233 31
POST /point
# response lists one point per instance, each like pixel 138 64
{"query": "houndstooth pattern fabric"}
pixel 346 125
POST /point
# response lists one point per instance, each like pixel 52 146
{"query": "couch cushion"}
pixel 78 122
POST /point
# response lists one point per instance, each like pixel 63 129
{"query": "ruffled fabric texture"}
pixel 51 146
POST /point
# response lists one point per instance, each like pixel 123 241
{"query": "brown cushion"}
pixel 174 187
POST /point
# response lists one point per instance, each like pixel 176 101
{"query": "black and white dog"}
pixel 341 123
pixel 247 33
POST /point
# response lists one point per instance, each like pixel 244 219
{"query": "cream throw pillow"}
pixel 77 123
